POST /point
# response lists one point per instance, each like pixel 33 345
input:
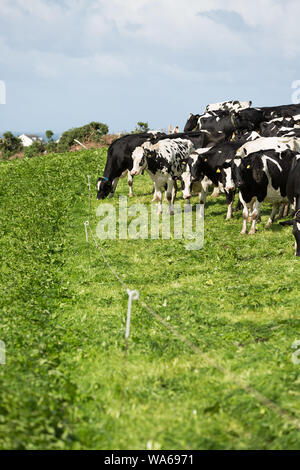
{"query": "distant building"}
pixel 28 139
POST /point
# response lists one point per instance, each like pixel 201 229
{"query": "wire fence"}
pixel 205 357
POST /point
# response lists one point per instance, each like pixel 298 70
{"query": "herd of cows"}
pixel 232 146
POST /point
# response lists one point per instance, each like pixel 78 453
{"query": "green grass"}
pixel 63 323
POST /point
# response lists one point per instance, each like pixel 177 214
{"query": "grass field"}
pixel 63 324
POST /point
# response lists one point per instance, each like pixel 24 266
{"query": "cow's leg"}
pixel 155 196
pixel 245 215
pixel 254 216
pixel 296 228
pixel 113 187
pixel 203 196
pixel 286 210
pixel 281 211
pixel 188 207
pixel 230 200
pixel 238 207
pixel 130 182
pixel 216 193
pixel 158 194
pixel 275 211
pixel 170 195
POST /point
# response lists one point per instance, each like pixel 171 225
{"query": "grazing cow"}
pixel 212 163
pixel 293 192
pixel 164 162
pixel 262 176
pixel 119 161
pixel 229 106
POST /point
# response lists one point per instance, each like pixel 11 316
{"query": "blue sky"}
pixel 69 62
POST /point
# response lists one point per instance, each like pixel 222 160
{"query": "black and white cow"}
pixel 277 127
pixel 293 192
pixel 289 110
pixel 229 106
pixel 247 119
pixel 165 162
pixel 262 176
pixel 119 162
pixel 211 163
pixel 225 126
pixel 269 143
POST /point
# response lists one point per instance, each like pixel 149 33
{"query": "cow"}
pixel 225 126
pixel 229 106
pixel 293 193
pixel 289 110
pixel 164 163
pixel 119 162
pixel 269 143
pixel 261 176
pixel 277 127
pixel 211 163
pixel 247 119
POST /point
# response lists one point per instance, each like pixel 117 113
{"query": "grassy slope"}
pixel 63 324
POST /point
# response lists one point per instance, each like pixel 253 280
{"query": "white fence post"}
pixel 132 295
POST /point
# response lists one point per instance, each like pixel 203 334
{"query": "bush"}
pixel 35 149
pixel 92 132
pixel 51 147
pixel 10 144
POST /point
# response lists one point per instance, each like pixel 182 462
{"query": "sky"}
pixel 68 62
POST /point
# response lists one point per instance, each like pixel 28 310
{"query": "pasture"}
pixel 63 323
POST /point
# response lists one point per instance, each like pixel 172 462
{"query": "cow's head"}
pixel 139 157
pixel 186 178
pixel 227 176
pixel 104 188
pixel 192 123
pixel 236 173
pixel 242 120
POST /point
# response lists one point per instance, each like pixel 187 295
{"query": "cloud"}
pixel 231 19
pixel 164 51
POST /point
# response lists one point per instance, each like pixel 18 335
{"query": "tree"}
pixel 10 144
pixel 49 135
pixel 141 127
